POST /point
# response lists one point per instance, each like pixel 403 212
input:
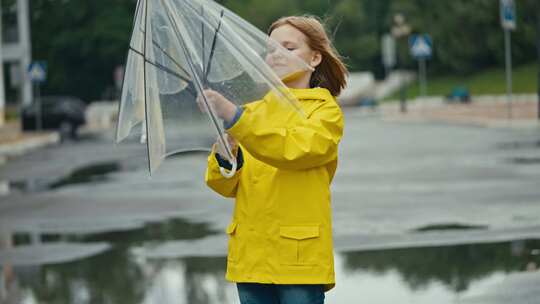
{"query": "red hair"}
pixel 331 73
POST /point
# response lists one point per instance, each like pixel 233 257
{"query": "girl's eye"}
pixel 291 49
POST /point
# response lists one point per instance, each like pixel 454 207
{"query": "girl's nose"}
pixel 276 55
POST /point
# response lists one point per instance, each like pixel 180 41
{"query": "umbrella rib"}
pixel 197 82
pixel 164 52
pixel 202 38
pixel 145 92
pixel 154 42
pixel 213 47
pixel 242 53
pixel 163 68
pixel 169 56
pixel 137 8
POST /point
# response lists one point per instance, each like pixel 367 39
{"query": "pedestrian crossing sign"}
pixel 38 71
pixel 421 46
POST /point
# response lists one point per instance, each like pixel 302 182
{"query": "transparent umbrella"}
pixel 178 49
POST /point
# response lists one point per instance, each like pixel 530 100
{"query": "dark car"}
pixel 63 113
pixel 459 94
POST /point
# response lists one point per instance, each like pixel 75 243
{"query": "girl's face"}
pixel 294 41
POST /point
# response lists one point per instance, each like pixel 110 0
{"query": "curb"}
pixel 485 123
pixel 23 146
pixel 4 188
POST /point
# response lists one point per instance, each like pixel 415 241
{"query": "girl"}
pixel 280 246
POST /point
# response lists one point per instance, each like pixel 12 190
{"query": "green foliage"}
pixel 83 41
pixel 455 267
pixel 485 82
pixel 467 34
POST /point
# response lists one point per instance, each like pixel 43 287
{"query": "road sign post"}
pixel 423 76
pixel 38 75
pixel 388 53
pixel 508 23
pixel 401 30
pixel 421 47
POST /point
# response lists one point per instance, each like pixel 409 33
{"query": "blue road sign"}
pixel 421 46
pixel 38 71
pixel 508 14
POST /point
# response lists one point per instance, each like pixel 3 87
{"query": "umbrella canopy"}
pixel 178 49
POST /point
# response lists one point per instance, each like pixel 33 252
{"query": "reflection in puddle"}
pixel 454 267
pixel 450 226
pixel 519 145
pixel 87 174
pixel 525 160
pixel 92 173
pixel 176 229
pixel 115 276
pixel 418 275
pixel 28 186
pixel 120 231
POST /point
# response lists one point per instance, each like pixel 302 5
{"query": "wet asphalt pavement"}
pixel 423 213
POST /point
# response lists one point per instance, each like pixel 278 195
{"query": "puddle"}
pixel 525 160
pixel 29 186
pixel 203 153
pixel 88 174
pixel 454 267
pixel 414 275
pixel 176 229
pixel 153 232
pixel 519 145
pixel 450 226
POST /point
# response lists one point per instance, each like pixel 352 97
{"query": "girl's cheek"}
pixel 270 58
pixel 299 53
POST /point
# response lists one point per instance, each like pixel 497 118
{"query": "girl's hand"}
pixel 224 108
pixel 232 143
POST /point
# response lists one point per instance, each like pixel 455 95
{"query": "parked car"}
pixel 459 94
pixel 368 102
pixel 63 113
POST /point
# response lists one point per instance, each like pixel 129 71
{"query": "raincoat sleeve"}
pixel 216 181
pixel 291 143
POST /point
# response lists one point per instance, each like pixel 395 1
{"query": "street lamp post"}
pixel 401 30
pixel 538 50
pixel 2 91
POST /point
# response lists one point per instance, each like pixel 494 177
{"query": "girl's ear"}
pixel 316 59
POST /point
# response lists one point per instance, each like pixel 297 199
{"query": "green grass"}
pixel 11 113
pixel 486 82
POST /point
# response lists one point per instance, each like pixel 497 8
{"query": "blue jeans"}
pixel 253 293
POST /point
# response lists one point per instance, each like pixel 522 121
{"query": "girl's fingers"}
pixel 205 100
pixel 232 141
pixel 200 104
pixel 233 144
pixel 217 102
pixel 207 96
pixel 218 148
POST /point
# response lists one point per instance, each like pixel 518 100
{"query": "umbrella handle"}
pixel 228 174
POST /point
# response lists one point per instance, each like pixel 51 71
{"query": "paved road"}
pixel 394 179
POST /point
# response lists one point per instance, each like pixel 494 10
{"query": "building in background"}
pixel 15 51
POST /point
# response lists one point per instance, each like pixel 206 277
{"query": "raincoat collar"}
pixel 312 94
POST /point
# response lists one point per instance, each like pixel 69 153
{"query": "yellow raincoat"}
pixel 281 230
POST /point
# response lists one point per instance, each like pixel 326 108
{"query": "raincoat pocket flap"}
pixel 299 232
pixel 231 228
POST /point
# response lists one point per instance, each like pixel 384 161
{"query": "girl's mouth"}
pixel 277 64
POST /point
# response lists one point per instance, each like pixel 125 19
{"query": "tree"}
pixel 82 41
